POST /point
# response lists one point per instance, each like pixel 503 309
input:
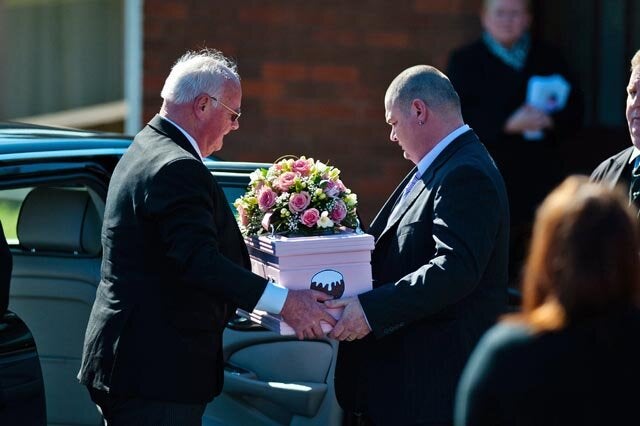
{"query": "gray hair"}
pixel 194 73
pixel 426 83
pixel 635 61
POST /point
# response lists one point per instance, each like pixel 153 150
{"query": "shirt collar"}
pixel 428 159
pixel 634 156
pixel 191 140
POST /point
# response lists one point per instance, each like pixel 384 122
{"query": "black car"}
pixel 53 186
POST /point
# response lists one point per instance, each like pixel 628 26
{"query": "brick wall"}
pixel 314 73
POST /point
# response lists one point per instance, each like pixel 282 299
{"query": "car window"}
pixel 232 193
pixel 234 184
pixel 10 202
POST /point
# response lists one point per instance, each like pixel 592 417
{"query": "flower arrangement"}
pixel 296 197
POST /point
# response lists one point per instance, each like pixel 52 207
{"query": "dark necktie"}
pixel 634 185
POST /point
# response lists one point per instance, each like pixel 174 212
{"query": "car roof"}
pixel 22 141
pixel 18 140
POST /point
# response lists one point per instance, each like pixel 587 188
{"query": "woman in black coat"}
pixel 491 77
pixel 571 356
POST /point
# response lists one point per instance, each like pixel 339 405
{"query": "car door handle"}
pixel 300 398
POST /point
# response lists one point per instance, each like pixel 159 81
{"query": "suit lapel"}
pixel 380 221
pixel 164 127
pixel 620 166
pixel 389 216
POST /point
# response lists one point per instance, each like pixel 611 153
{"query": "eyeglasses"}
pixel 236 115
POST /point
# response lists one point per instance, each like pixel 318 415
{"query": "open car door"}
pixel 22 400
pixel 275 380
pixel 271 379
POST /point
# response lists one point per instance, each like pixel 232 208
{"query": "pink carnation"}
pixel 302 166
pixel 299 201
pixel 285 181
pixel 266 199
pixel 310 217
pixel 242 213
pixel 339 211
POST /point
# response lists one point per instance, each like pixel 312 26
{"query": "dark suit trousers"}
pixel 126 411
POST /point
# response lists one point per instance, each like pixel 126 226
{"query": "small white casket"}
pixel 339 265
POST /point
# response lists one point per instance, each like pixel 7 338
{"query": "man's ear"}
pixel 201 103
pixel 420 111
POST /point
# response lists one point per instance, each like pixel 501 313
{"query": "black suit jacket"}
pixel 440 276
pixel 490 91
pixel 173 270
pixel 615 170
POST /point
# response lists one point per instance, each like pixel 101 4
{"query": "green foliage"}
pixel 9 210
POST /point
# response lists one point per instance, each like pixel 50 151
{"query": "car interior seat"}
pixel 54 280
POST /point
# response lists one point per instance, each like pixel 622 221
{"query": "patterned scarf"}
pixel 514 57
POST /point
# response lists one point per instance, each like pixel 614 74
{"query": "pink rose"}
pixel 310 217
pixel 266 199
pixel 339 211
pixel 302 166
pixel 285 181
pixel 299 201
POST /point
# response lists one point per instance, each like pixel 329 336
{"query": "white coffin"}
pixel 339 265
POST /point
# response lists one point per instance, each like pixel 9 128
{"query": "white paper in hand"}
pixel 547 93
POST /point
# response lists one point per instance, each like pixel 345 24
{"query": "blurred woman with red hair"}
pixel 571 354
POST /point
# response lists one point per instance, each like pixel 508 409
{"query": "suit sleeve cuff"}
pixel 272 299
pixel 364 314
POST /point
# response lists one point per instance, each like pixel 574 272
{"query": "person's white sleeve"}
pixel 272 300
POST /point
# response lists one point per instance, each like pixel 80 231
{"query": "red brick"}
pixel 304 110
pixel 285 71
pixel 341 74
pixel 438 6
pixel 387 39
pixel 167 9
pixel 286 14
pixel 153 82
pixel 314 74
pixel 336 38
pixel 262 89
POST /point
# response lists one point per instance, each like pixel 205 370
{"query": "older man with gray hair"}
pixel 623 168
pixel 439 265
pixel 175 266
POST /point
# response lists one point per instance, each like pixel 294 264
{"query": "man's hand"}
pixel 303 312
pixel 527 118
pixel 353 324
